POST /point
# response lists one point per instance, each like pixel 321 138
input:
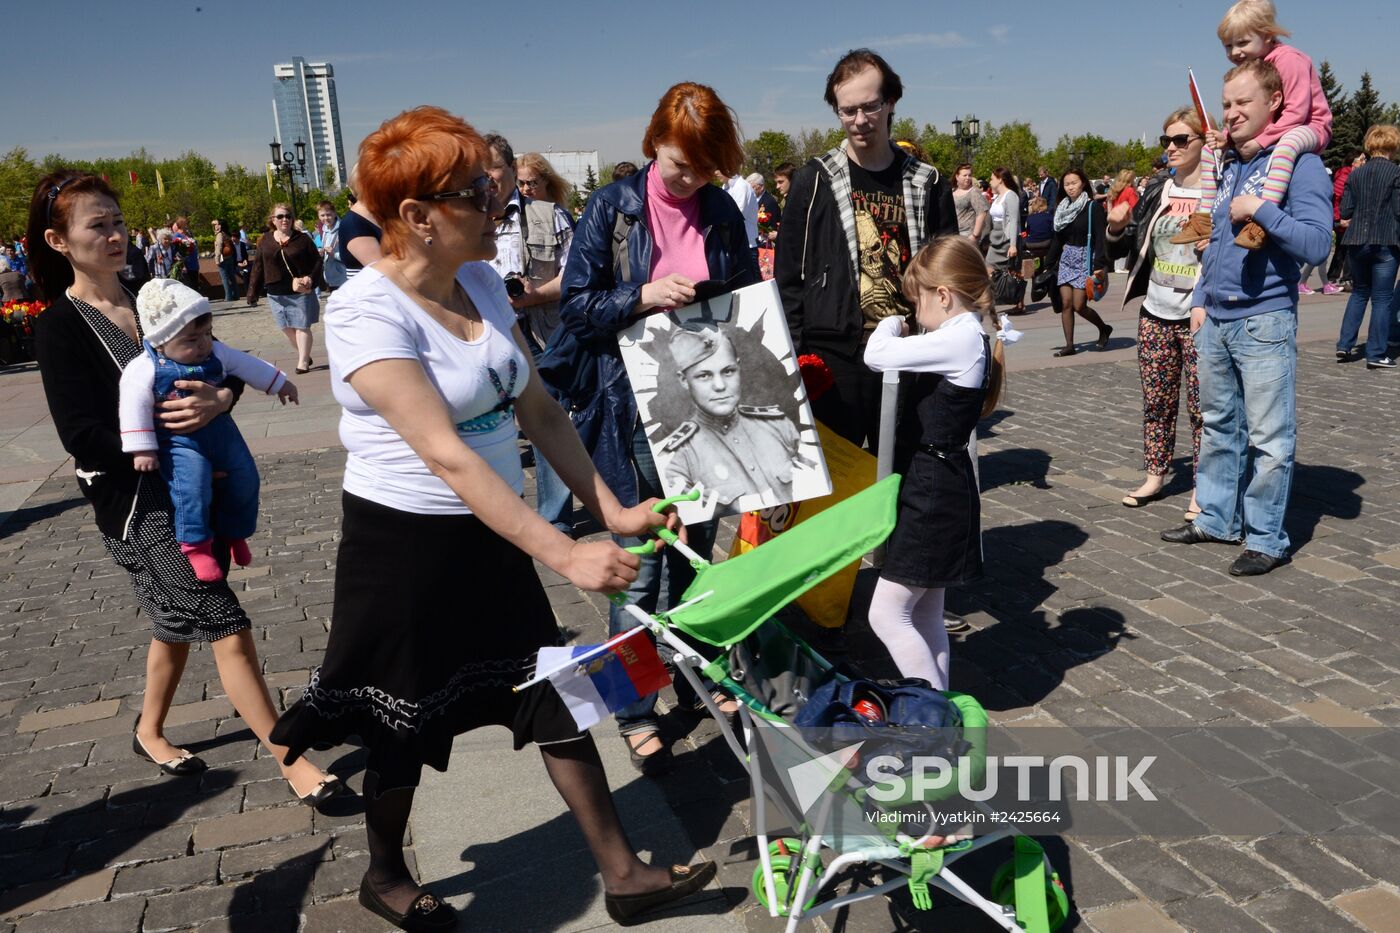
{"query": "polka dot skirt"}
pixel 181 607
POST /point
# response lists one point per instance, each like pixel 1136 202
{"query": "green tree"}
pixel 18 178
pixel 811 143
pixel 1099 155
pixel 767 150
pixel 1013 146
pixel 1337 101
pixel 1363 111
pixel 941 149
pixel 905 128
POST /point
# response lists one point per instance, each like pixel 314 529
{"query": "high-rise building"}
pixel 304 107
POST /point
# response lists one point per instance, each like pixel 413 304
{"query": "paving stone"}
pixel 168 875
pixel 343 916
pixel 69 715
pixel 286 920
pixel 186 909
pixel 251 859
pixel 1237 874
pixel 1212 914
pixel 1153 871
pixel 57 894
pixel 1377 857
pixel 1304 859
pixel 119 916
pixel 1375 909
pixel 1290 911
pixel 1137 917
pixel 254 826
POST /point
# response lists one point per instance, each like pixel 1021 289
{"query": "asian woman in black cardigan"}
pixel 89 333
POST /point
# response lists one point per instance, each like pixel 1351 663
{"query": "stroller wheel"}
pixel 784 854
pixel 1003 891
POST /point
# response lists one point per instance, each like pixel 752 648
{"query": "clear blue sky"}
pixel 101 78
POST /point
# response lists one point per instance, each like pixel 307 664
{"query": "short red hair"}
pixel 692 118
pixel 421 151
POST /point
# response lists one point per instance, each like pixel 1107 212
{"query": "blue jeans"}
pixel 1373 270
pixel 228 274
pixel 1247 370
pixel 645 591
pixel 554 501
pixel 188 463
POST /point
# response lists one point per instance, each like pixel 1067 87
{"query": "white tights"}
pixel 909 620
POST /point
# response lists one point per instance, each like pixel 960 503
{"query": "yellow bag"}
pixel 852 469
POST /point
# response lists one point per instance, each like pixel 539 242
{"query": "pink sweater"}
pixel 678 243
pixel 1304 104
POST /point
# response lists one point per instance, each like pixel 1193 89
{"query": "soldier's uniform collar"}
pixel 716 423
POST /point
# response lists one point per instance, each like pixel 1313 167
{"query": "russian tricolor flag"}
pixel 603 682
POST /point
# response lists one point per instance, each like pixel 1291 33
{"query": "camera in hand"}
pixel 515 285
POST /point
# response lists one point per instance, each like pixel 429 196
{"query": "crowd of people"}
pixel 466 306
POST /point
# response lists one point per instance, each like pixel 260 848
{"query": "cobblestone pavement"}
pixel 1086 618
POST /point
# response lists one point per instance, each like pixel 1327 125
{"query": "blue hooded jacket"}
pixel 582 366
pixel 1237 283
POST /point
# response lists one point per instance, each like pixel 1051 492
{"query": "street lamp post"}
pixel 284 162
pixel 966 132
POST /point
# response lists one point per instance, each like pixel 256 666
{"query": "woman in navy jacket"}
pixel 638 250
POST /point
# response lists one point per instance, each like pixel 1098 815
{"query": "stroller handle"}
pixel 664 533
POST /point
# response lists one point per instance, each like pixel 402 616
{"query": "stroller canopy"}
pixel 746 590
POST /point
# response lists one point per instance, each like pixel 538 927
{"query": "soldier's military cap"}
pixel 690 345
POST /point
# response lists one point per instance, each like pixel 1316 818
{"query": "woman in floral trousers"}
pixel 1164 274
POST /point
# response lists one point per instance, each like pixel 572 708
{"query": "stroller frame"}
pixel 691 665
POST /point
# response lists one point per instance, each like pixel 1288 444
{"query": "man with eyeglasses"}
pixel 520 250
pixel 853 218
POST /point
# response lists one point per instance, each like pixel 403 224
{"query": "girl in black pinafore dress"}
pixel 957 378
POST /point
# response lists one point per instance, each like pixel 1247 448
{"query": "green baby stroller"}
pixel 733 603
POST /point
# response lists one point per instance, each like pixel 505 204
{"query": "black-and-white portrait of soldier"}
pixel 723 406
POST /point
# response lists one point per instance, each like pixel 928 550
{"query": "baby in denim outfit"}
pixel 177 326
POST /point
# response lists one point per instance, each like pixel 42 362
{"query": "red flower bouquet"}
pixel 816 375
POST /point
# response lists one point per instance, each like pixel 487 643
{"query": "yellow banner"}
pixel 852 469
pixel 268 167
pixel 160 183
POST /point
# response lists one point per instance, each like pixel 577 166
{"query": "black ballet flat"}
pixel 180 766
pixel 624 909
pixel 427 914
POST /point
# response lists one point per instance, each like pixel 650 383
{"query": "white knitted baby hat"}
pixel 166 306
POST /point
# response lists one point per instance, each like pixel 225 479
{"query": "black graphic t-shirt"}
pixel 882 237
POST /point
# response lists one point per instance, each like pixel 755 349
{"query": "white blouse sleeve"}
pixel 950 351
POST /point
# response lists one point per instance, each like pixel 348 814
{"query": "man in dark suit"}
pixel 766 201
pixel 1049 189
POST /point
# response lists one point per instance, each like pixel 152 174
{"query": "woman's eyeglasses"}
pixel 1180 140
pixel 480 194
pixel 529 182
pixel 281 216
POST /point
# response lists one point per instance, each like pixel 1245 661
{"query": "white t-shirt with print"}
pixel 372 319
pixel 1175 266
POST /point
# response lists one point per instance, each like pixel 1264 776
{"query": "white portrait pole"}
pixel 889 410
